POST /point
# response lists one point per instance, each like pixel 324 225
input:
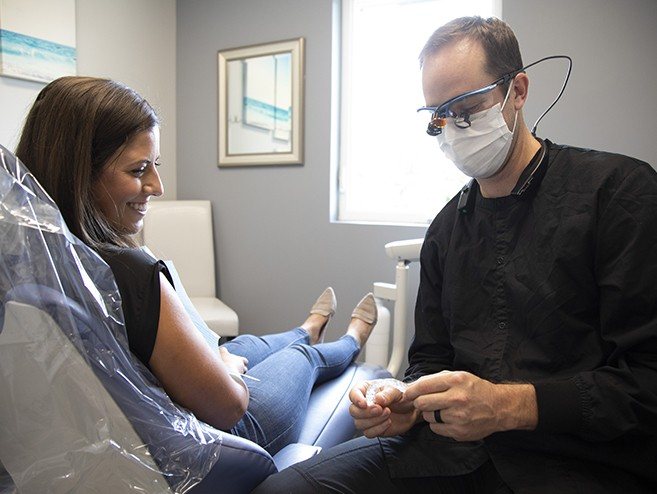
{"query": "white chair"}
pixel 181 231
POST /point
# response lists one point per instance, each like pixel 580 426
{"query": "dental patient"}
pixel 93 144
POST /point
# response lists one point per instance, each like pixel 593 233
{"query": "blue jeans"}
pixel 288 369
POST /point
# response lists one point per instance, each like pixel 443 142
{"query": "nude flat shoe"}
pixel 366 310
pixel 325 305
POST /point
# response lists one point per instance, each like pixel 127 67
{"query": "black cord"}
pixel 563 87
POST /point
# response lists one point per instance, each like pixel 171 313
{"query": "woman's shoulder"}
pixel 137 276
pixel 132 261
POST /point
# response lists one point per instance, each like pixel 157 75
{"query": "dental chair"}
pixel 78 412
pixel 404 252
pixel 182 232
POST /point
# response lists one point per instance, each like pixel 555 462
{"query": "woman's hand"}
pixel 234 362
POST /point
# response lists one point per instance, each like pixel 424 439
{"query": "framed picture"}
pixel 37 39
pixel 261 104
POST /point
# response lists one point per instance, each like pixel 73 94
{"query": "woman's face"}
pixel 128 180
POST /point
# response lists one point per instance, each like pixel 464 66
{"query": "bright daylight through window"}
pixel 389 169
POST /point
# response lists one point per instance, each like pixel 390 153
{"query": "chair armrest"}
pixel 218 316
pixel 294 453
pixel 242 465
pixel 405 250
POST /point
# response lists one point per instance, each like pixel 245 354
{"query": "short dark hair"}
pixel 495 36
pixel 73 129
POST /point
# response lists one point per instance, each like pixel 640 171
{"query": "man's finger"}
pixel 387 396
pixel 357 396
pixel 377 430
pixel 372 422
pixel 434 401
pixel 365 413
pixel 434 383
pixel 434 416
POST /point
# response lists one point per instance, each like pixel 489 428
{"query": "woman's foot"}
pixel 363 319
pixel 320 314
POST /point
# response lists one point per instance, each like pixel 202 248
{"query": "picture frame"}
pixel 37 39
pixel 261 106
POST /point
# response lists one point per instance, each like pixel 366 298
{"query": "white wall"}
pixel 16 97
pixel 133 41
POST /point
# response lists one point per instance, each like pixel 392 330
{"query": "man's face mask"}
pixel 476 141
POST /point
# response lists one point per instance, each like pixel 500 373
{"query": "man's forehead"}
pixel 456 68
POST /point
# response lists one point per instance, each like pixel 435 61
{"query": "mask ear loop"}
pixel 508 92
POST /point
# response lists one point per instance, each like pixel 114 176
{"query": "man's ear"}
pixel 520 89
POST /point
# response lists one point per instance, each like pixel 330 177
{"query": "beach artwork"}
pixel 267 101
pixel 37 39
pixel 260 104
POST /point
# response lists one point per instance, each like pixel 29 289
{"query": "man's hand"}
pixel 471 408
pixel 390 415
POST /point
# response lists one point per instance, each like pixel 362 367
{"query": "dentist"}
pixel 533 367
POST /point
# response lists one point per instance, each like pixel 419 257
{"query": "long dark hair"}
pixel 74 127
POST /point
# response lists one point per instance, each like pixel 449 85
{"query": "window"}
pixel 389 169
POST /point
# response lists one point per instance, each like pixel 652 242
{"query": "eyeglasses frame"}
pixel 442 112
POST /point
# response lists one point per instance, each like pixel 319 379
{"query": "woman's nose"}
pixel 153 185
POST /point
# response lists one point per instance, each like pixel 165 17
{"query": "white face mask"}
pixel 480 150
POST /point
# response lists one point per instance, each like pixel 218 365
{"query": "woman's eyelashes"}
pixel 139 171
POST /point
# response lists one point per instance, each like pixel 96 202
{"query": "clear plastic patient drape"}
pixel 77 411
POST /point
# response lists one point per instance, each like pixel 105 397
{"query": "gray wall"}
pixel 130 41
pixel 276 248
pixel 611 101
